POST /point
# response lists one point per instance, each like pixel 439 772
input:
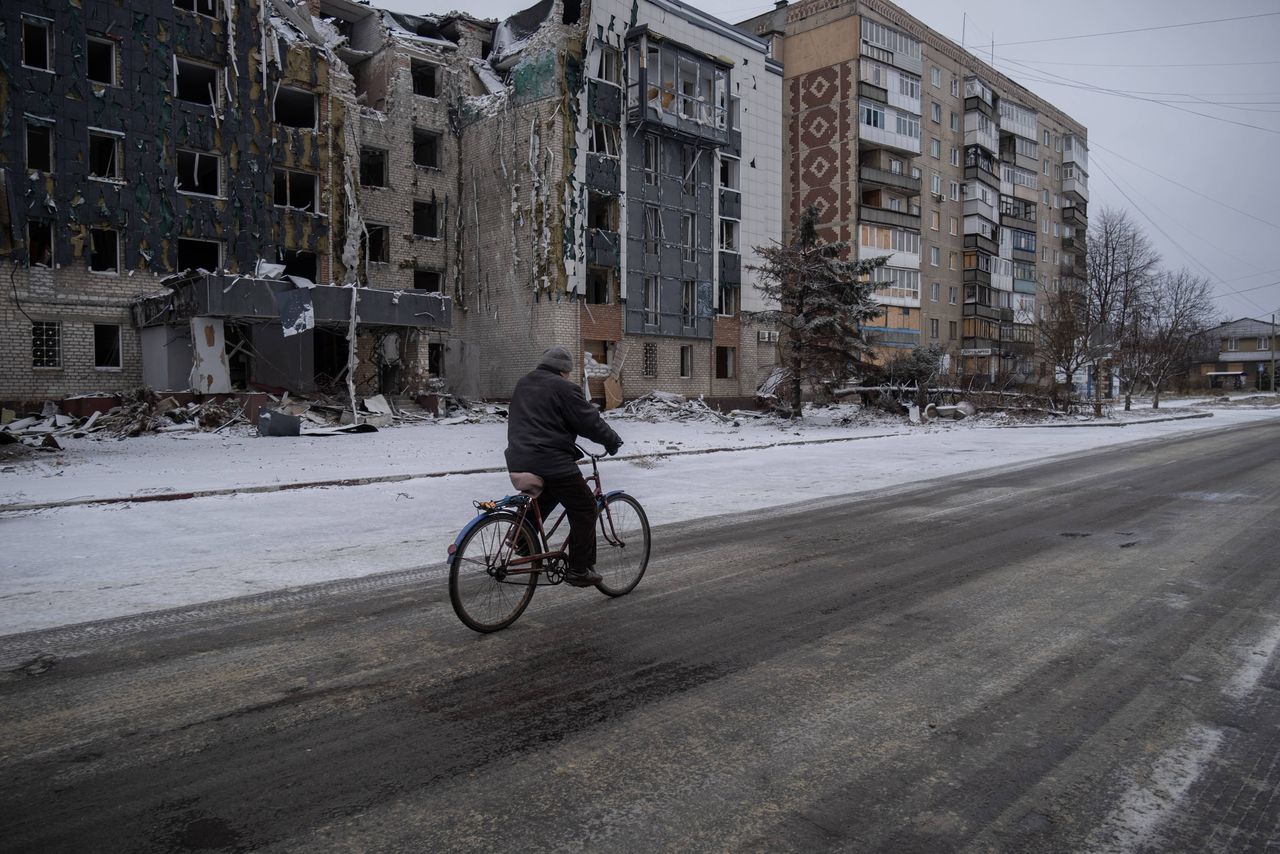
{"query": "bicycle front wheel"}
pixel 622 545
pixel 484 596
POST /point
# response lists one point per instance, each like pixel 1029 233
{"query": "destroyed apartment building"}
pixel 325 196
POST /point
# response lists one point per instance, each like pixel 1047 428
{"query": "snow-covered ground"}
pixel 71 564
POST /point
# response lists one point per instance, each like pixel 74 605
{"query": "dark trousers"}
pixel 577 499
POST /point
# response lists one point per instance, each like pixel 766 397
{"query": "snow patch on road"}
pixel 1256 658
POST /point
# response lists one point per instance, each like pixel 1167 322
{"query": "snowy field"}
pixel 71 564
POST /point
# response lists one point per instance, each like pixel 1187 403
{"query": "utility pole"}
pixel 1272 342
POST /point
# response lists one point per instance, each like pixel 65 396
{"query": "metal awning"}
pixel 251 299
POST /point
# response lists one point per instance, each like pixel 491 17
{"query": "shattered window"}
pixel 652 229
pixel 729 167
pixel 651 160
pixel 200 7
pixel 39 243
pixel 649 364
pixel 295 108
pixel 39 147
pixel 426 280
pixel 728 300
pixel 199 254
pixel 377 247
pixel 373 167
pixel 106 345
pixel 688 237
pixel 426 78
pixel 729 235
pixel 199 172
pixel 46 344
pixel 689 156
pixel 607 68
pixel 726 359
pixel 688 302
pixel 298 262
pixel 602 211
pixel 104 155
pixel 100 57
pixel 652 306
pixel 37 43
pixel 603 138
pixel 426 219
pixel 296 190
pixel 105 254
pixel 599 285
pixel 195 82
pixel 426 148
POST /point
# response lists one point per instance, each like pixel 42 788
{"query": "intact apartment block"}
pixel 1242 354
pixel 328 196
pixel 913 148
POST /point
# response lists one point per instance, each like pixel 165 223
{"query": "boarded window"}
pixel 296 190
pixel 426 219
pixel 199 254
pixel 37 44
pixel 106 345
pixel 39 147
pixel 426 280
pixel 378 244
pixel 426 148
pixel 46 344
pixel 100 58
pixel 104 155
pixel 726 362
pixel 295 108
pixel 195 82
pixel 426 79
pixel 373 167
pixel 39 243
pixel 105 256
pixel 199 172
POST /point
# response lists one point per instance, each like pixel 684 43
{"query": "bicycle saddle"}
pixel 527 482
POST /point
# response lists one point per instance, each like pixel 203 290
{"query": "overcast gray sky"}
pixel 1198 170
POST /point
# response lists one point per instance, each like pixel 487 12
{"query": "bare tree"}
pixel 1062 337
pixel 1119 261
pixel 1175 318
pixel 824 301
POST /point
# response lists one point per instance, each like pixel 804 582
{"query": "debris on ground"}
pixel 667 406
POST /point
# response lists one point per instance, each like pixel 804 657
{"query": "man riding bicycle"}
pixel 547 415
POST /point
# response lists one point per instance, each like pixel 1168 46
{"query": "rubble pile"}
pixel 666 406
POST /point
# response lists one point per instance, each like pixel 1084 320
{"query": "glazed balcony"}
pixel 892 180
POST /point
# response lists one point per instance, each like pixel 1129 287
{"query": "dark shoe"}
pixel 583 577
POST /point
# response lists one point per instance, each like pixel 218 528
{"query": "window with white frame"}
pixel 688 237
pixel 729 235
pixel 296 190
pixel 106 151
pixel 935 256
pixel 937 113
pixel 727 300
pixel 100 60
pixel 39 146
pixel 688 303
pixel 935 292
pixel 729 172
pixel 196 82
pixel 1233 344
pixel 935 76
pixel 608 65
pixel 935 148
pixel 652 229
pixel 602 138
pixel 652 301
pixel 37 43
pixel 651 160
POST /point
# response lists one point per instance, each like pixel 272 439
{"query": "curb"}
pixel 1116 423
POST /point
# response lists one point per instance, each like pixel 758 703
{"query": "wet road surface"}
pixel 1074 656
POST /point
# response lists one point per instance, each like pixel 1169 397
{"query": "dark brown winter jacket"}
pixel 546 416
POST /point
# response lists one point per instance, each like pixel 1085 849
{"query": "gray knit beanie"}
pixel 557 358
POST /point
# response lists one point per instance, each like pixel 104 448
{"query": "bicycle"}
pixel 503 555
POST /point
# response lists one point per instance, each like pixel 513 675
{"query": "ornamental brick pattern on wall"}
pixel 824 152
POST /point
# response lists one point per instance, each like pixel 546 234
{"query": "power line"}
pixel 1142 29
pixel 1151 65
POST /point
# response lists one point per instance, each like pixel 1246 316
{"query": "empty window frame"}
pixel 100 60
pixel 377 244
pixel 199 173
pixel 37 43
pixel 106 151
pixel 603 138
pixel 426 78
pixel 39 147
pixel 39 243
pixel 599 285
pixel 106 346
pixel 199 254
pixel 652 301
pixel 729 235
pixel 196 82
pixel 608 66
pixel 726 362
pixel 299 262
pixel 688 303
pixel 688 237
pixel 729 169
pixel 426 148
pixel 652 230
pixel 427 280
pixel 373 167
pixel 686 361
pixel 46 344
pixel 689 157
pixel 649 360
pixel 426 219
pixel 651 160
pixel 296 190
pixel 104 256
pixel 208 8
pixel 602 211
pixel 295 108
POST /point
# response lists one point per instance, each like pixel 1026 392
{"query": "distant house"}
pixel 1239 355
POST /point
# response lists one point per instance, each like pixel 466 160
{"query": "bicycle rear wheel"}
pixel 484 597
pixel 622 545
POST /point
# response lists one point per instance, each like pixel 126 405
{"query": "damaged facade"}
pixel 273 194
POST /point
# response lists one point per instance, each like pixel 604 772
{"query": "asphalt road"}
pixel 1075 656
